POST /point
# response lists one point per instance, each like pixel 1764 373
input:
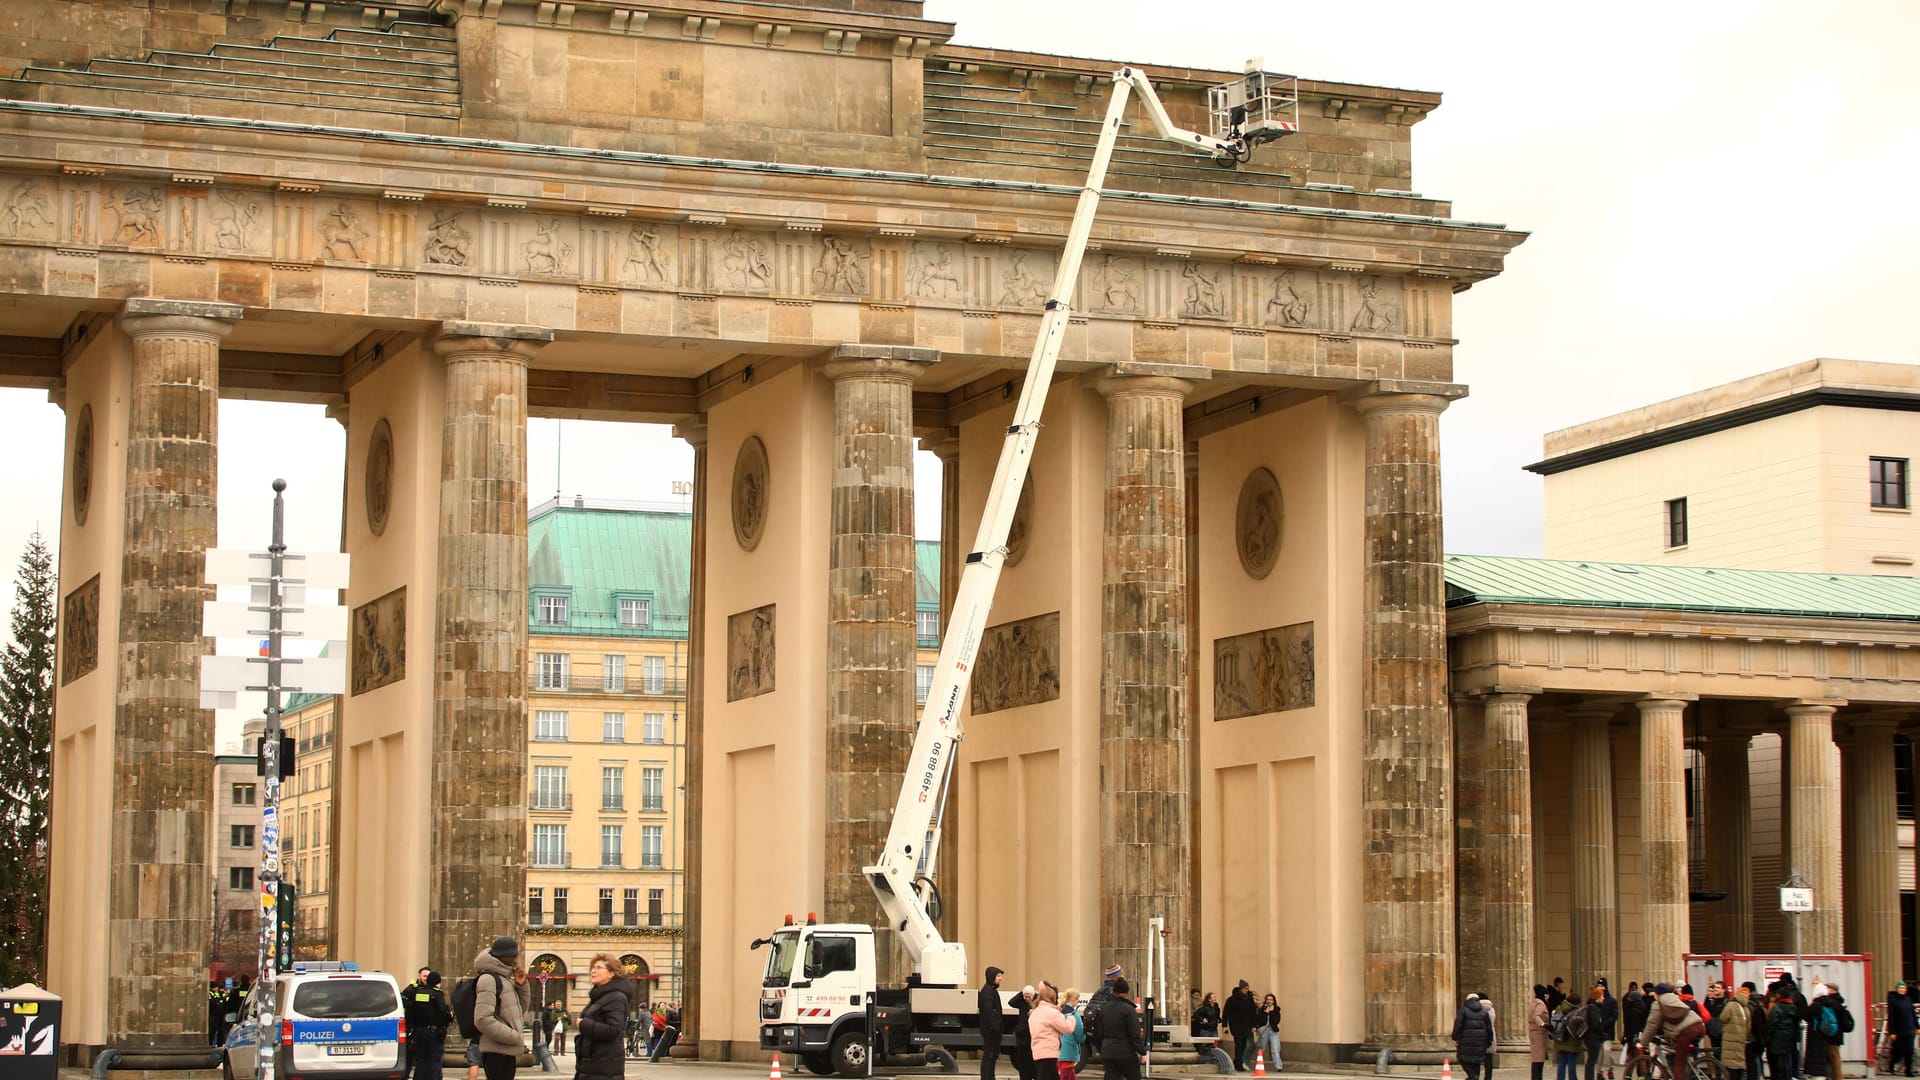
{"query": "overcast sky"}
pixel 1713 189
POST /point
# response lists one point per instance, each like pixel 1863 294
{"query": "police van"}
pixel 335 1021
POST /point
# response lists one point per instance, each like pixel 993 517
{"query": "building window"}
pixel 553 611
pixel 606 907
pixel 922 682
pixel 536 906
pixel 610 846
pixel 559 907
pixel 243 794
pixel 926 625
pixel 240 836
pixel 654 671
pixel 550 849
pixel 653 789
pixel 656 906
pixel 550 725
pixel 1676 523
pixel 613 787
pixel 614 669
pixel 650 838
pixel 239 877
pixel 655 730
pixel 552 671
pixel 631 904
pixel 635 614
pixel 1887 481
pixel 613 727
pixel 550 788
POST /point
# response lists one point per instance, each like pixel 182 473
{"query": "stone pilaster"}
pixel 1663 830
pixel 1813 850
pixel 160 904
pixel 870 636
pixel 946 447
pixel 1594 919
pixel 1507 852
pixel 1406 752
pixel 1469 816
pixel 1145 831
pixel 1730 840
pixel 694 432
pixel 479 802
pixel 1871 860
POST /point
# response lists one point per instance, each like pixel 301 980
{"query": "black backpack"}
pixel 1843 1017
pixel 466 996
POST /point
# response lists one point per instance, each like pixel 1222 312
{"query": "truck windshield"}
pixel 786 946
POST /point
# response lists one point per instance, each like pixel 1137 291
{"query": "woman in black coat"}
pixel 600 1047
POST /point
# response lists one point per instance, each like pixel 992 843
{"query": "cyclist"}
pixel 1674 1020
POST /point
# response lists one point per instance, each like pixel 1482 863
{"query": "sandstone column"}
pixel 1813 850
pixel 946 446
pixel 1663 830
pixel 160 907
pixel 694 431
pixel 1470 821
pixel 1406 766
pixel 1595 916
pixel 1506 842
pixel 1871 860
pixel 1730 840
pixel 1144 826
pixel 870 637
pixel 479 748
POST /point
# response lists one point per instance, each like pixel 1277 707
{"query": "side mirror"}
pixel 757 942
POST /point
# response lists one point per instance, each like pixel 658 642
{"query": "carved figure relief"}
pixel 137 215
pixel 341 234
pixel 77 221
pixel 1020 288
pixel 1021 530
pixel 548 251
pixel 1114 279
pixel 233 227
pixel 1257 521
pixel 379 645
pixel 1018 664
pixel 1379 313
pixel 1205 299
pixel 80 631
pixel 379 477
pixel 750 493
pixel 745 262
pixel 28 211
pixel 1262 672
pixel 645 261
pixel 840 269
pixel 1292 303
pixel 81 482
pixel 932 274
pixel 448 242
pixel 750 656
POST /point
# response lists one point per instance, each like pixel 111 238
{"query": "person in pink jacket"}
pixel 1046 1024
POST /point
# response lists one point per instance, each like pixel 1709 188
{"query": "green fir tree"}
pixel 26 769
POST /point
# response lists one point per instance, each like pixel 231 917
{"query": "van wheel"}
pixel 939 1058
pixel 849 1054
pixel 818 1064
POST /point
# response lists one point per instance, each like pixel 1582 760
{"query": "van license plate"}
pixel 346 1051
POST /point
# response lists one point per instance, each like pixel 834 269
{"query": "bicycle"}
pixel 1656 1063
pixel 635 1046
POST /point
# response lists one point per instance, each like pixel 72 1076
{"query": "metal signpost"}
pixel 1796 899
pixel 223 677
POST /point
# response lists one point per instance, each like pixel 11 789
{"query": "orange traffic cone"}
pixel 1259 1063
pixel 774 1073
pixel 1446 1069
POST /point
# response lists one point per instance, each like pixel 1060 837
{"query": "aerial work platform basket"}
pixel 1258 106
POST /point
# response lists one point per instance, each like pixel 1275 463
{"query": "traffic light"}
pixel 285 894
pixel 286 757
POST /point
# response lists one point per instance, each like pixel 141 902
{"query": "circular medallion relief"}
pixel 1022 528
pixel 379 477
pixel 82 480
pixel 750 493
pixel 1256 523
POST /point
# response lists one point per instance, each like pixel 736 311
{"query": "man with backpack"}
pixel 1831 1022
pixel 489 1009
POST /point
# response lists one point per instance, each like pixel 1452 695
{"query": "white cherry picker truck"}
pixel 819 998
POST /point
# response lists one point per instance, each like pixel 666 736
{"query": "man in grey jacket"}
pixel 498 1008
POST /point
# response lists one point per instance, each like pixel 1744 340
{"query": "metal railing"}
pixel 565 863
pixel 563 801
pixel 631 685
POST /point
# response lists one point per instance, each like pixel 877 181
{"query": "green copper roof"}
pixel 597 557
pixel 1492 579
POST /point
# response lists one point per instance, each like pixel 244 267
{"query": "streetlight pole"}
pixel 262 998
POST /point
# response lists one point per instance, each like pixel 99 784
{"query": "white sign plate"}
pixel 234 566
pixel 320 674
pixel 1796 899
pixel 230 674
pixel 318 569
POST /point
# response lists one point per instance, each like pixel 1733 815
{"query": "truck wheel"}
pixel 939 1058
pixel 818 1064
pixel 849 1054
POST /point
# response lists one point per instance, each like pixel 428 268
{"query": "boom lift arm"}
pixel 1258 108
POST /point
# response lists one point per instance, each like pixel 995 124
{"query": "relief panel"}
pixel 80 631
pixel 379 645
pixel 750 653
pixel 1018 664
pixel 1262 672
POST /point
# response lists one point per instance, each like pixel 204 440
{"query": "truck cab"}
pixel 813 995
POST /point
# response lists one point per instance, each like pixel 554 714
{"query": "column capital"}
pixel 1816 708
pixel 1505 692
pixel 1401 396
pixel 458 339
pixel 1590 712
pixel 879 362
pixel 1152 379
pixel 945 445
pixel 1652 702
pixel 146 316
pixel 692 430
